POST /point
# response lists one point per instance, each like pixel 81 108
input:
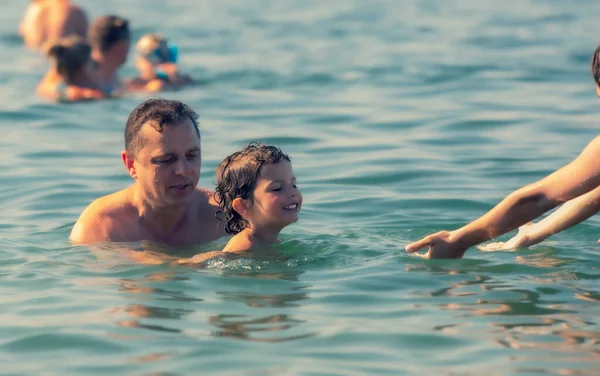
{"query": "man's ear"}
pixel 240 206
pixel 129 163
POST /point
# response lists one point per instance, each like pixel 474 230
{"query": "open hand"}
pixel 524 238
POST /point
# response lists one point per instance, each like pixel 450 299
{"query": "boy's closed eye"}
pixel 278 187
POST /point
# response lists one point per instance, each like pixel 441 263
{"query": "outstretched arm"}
pixel 568 215
pixel 577 178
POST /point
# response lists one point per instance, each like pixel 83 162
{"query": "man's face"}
pixel 167 167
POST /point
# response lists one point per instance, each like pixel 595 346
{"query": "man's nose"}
pixel 184 168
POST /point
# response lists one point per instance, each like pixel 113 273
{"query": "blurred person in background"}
pixel 109 37
pixel 49 20
pixel 71 76
pixel 157 63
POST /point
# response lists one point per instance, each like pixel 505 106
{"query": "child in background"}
pixel 71 77
pixel 258 197
pixel 157 64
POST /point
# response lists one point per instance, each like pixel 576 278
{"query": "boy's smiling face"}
pixel 276 200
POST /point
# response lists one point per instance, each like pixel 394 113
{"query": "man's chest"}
pixel 191 234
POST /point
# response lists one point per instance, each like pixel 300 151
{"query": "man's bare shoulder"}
pixel 103 218
pixel 207 208
pixel 205 198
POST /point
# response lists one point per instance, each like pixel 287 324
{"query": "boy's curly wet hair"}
pixel 237 176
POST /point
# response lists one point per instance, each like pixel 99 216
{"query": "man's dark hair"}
pixel 236 178
pixel 106 31
pixel 596 66
pixel 159 113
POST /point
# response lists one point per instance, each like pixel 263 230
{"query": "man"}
pixel 48 20
pixel 163 205
pixel 579 180
pixel 109 37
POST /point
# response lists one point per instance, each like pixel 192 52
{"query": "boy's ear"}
pixel 240 206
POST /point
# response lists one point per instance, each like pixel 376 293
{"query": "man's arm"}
pixel 525 204
pixel 200 258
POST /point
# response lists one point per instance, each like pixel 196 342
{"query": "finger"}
pixel 425 242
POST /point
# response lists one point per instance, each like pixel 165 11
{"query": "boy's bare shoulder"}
pixel 239 243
